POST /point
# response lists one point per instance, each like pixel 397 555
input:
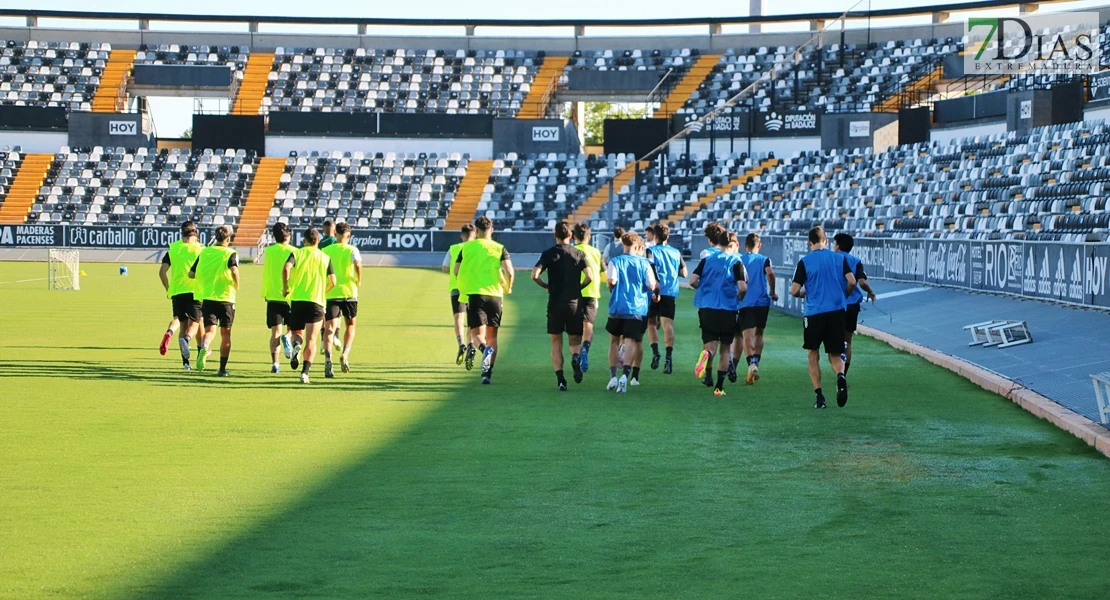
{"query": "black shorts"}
pixel 851 317
pixel 218 313
pixel 483 310
pixel 665 308
pixel 588 307
pixel 348 309
pixel 717 325
pixel 632 329
pixel 564 316
pixel 277 313
pixel 456 306
pixel 825 328
pixel 185 308
pixel 753 317
pixel 302 313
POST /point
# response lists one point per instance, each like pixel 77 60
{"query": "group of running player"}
pixel 733 294
pixel 307 291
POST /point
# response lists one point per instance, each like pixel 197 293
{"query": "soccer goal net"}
pixel 64 270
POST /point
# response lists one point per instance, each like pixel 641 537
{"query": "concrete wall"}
pixel 96 129
pixel 945 135
pixel 282 145
pixel 516 135
pixel 837 129
pixel 34 141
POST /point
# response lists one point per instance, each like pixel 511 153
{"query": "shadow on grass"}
pixel 365 379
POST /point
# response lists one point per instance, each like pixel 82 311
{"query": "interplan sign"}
pixel 123 127
pixel 1064 43
pixel 545 134
pixel 859 128
pixel 391 241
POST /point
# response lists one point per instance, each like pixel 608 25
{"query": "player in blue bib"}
pixel 843 244
pixel 630 284
pixel 719 282
pixel 752 318
pixel 825 280
pixel 669 268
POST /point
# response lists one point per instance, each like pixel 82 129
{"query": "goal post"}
pixel 64 270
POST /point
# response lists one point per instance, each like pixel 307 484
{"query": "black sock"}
pixel 669 350
pixel 169 331
pixel 655 349
pixel 469 345
pixel 184 361
pixel 627 370
pixel 721 379
pixel 840 376
pixel 586 346
pixel 559 376
pixel 635 372
pixel 575 358
pixel 612 371
pixel 481 347
pixel 819 393
pixel 223 363
pixel 847 364
pixel 306 367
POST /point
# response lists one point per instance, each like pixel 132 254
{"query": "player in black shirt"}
pixel 565 266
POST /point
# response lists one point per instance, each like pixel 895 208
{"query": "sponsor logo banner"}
pixel 545 134
pixel 1063 43
pixel 123 127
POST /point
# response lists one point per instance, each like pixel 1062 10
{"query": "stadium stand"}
pixel 143 187
pixel 51 73
pixel 377 191
pixel 1046 184
pixel 400 80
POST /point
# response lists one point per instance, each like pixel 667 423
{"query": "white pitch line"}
pixel 24 280
pixel 901 293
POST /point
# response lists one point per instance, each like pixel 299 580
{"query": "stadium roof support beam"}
pixel 941 17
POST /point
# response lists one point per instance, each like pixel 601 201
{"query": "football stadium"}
pixel 486 300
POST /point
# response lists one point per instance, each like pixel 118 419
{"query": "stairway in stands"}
pixel 600 197
pixel 21 195
pixel 256 76
pixel 468 194
pixel 536 102
pixel 681 92
pixel 928 81
pixel 260 199
pixel 692 207
pixel 111 95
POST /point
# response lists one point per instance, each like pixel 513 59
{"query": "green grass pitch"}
pixel 123 477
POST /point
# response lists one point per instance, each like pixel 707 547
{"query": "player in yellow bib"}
pixel 342 300
pixel 306 278
pixel 277 304
pixel 216 272
pixel 458 301
pixel 591 294
pixel 485 275
pixel 174 274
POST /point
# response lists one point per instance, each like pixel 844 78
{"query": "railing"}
pixel 939 13
pixel 909 94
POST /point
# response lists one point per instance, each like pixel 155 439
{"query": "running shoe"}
pixel 295 360
pixel 820 401
pixel 655 358
pixel 703 362
pixel 329 371
pixel 164 347
pixel 462 354
pixel 753 374
pixel 562 386
pixel 471 351
pixel 487 359
pixel 841 390
pixel 732 371
pixel 202 358
pixel 668 368
pixel 576 367
pixel 286 346
pixel 183 344
pixel 707 379
pixel 585 360
pixel 275 368
pixel 718 392
pixel 622 384
pixel 486 380
pixel 223 373
pixel 304 378
pixel 634 382
pixel 612 384
pixel 186 367
pixel 344 365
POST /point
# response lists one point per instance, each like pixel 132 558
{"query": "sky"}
pixel 173 115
